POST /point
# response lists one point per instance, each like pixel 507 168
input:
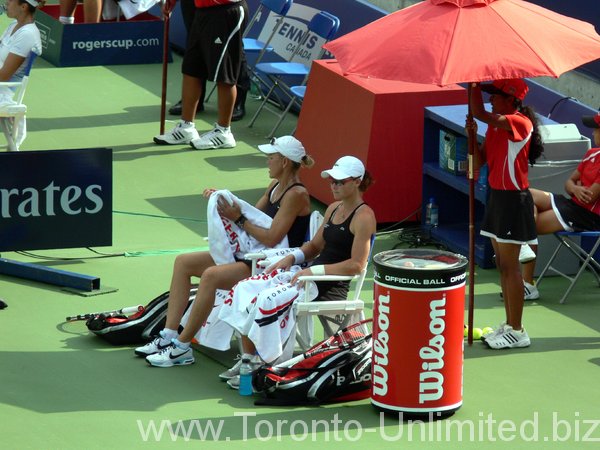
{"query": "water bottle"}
pixel 431 213
pixel 255 92
pixel 246 377
pixel 483 176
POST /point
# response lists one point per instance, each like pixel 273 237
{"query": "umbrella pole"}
pixel 165 62
pixel 472 142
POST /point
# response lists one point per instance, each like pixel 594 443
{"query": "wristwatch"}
pixel 240 221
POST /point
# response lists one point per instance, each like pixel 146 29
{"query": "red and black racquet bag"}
pixel 137 328
pixel 330 375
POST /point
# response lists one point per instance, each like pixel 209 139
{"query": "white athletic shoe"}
pixel 171 356
pixel 526 254
pixel 234 381
pixel 216 138
pixel 509 338
pixel 530 291
pixel 499 329
pixel 232 372
pixel 151 348
pixel 180 134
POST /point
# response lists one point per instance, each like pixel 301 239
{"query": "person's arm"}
pixel 585 194
pixel 10 66
pixel 293 202
pixel 363 227
pixel 309 250
pixel 480 113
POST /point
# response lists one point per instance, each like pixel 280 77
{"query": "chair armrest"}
pixel 327 277
pixel 10 83
pixel 253 256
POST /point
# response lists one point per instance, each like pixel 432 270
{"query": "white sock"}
pixel 167 335
pixel 186 124
pixel 181 345
pixel 223 129
pixel 66 20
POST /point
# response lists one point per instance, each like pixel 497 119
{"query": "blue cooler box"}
pixel 453 153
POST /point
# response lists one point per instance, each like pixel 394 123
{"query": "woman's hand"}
pixel 208 192
pixel 300 273
pixel 283 263
pixel 231 212
pixel 583 194
pixel 470 124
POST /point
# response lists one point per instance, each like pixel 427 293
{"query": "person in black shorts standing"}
pixel 214 52
pixel 188 10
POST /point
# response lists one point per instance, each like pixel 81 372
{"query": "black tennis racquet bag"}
pixel 335 370
pixel 140 327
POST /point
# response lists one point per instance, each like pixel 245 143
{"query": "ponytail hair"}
pixel 536 146
pixel 366 182
pixel 307 162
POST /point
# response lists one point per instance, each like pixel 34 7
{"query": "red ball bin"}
pixel 418 337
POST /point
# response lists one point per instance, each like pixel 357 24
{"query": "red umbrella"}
pixel 455 41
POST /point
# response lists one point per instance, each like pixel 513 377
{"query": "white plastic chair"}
pixel 567 240
pixel 333 315
pixel 12 117
pixel 258 258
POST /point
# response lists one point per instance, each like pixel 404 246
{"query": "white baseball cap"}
pixel 287 146
pixel 345 167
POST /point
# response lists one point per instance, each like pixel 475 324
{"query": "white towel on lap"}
pixel 214 332
pixel 261 308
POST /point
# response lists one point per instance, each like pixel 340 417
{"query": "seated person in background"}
pixel 341 246
pixel 286 200
pixel 580 212
pixel 19 40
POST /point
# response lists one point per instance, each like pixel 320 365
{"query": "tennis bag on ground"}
pixel 137 328
pixel 329 374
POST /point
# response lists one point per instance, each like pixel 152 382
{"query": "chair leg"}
pixel 548 265
pixel 261 106
pixel 9 130
pixel 281 117
pixel 586 259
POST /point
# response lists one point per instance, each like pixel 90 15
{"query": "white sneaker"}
pixel 530 291
pixel 232 372
pixel 216 138
pixel 499 329
pixel 509 338
pixel 151 348
pixel 234 380
pixel 526 254
pixel 180 134
pixel 171 356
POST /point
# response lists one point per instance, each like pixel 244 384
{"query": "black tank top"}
pixel 338 247
pixel 297 233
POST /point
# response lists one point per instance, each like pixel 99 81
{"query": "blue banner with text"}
pixel 55 199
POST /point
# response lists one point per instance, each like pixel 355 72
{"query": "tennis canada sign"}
pixel 55 199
